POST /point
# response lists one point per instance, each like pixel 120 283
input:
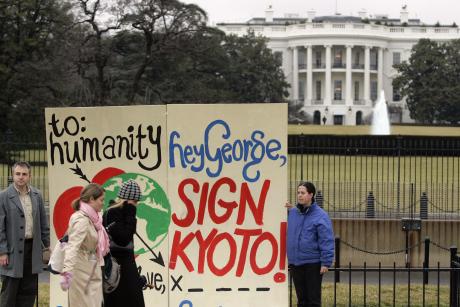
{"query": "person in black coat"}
pixel 120 221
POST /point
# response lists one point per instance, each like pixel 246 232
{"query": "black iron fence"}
pixel 391 286
pixel 455 279
pixel 33 152
pixel 356 176
pixel 379 176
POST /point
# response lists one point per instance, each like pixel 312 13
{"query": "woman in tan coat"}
pixel 88 244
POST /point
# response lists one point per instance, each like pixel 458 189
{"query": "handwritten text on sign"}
pixel 252 151
pixel 242 243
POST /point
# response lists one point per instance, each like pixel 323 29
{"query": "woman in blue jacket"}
pixel 310 245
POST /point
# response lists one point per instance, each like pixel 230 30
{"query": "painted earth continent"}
pixel 153 211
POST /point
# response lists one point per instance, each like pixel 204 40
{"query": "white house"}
pixel 337 65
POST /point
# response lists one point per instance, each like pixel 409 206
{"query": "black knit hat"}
pixel 130 190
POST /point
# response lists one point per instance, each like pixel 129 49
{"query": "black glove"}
pixel 143 282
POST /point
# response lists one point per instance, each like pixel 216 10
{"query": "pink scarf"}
pixel 103 239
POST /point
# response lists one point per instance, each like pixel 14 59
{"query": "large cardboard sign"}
pixel 211 222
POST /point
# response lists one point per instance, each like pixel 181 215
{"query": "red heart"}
pixel 63 209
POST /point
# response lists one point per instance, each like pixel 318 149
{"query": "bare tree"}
pixel 99 20
pixel 160 22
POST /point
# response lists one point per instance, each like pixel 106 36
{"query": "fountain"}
pixel 380 119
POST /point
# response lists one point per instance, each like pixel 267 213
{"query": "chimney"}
pixel 311 15
pixel 269 14
pixel 362 14
pixel 404 14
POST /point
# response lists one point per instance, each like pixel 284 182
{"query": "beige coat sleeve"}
pixel 78 230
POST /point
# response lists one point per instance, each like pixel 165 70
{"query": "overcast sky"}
pixel 429 11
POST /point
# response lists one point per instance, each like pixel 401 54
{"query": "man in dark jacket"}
pixel 310 245
pixel 24 232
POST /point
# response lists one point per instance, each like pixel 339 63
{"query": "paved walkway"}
pixel 44 277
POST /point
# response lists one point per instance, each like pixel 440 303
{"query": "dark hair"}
pixel 21 164
pixel 91 191
pixel 310 188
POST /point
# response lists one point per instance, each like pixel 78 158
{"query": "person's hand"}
pixel 4 259
pixel 288 205
pixel 145 283
pixel 66 280
pixel 149 286
pixel 46 254
pixel 323 270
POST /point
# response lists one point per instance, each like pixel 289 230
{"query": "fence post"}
pixel 6 150
pixel 319 199
pixel 399 140
pixel 290 287
pixel 424 206
pixel 302 146
pixel 426 261
pixel 370 208
pixel 453 278
pixel 337 260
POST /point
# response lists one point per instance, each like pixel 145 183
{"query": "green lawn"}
pixel 43 294
pixel 345 181
pixel 340 168
pixel 386 295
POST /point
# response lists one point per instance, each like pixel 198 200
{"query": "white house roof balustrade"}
pixel 337 65
pixel 312 29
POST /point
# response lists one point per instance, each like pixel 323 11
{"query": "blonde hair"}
pixel 91 191
pixel 118 203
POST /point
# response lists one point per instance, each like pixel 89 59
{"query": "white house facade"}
pixel 337 66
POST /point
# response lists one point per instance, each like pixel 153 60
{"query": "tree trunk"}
pixel 141 70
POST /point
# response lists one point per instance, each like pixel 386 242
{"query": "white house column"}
pixel 380 71
pixel 348 80
pixel 309 87
pixel 367 74
pixel 328 76
pixel 295 74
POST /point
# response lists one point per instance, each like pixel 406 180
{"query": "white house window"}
pixel 374 60
pixel 317 117
pixel 279 56
pixel 396 58
pixel 318 59
pixel 301 90
pixel 302 59
pixel 374 90
pixel 318 90
pixel 338 58
pixel 338 90
pixel 356 90
pixel 359 118
pixel 396 94
pixel 338 119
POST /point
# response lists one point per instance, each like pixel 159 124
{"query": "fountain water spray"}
pixel 380 119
